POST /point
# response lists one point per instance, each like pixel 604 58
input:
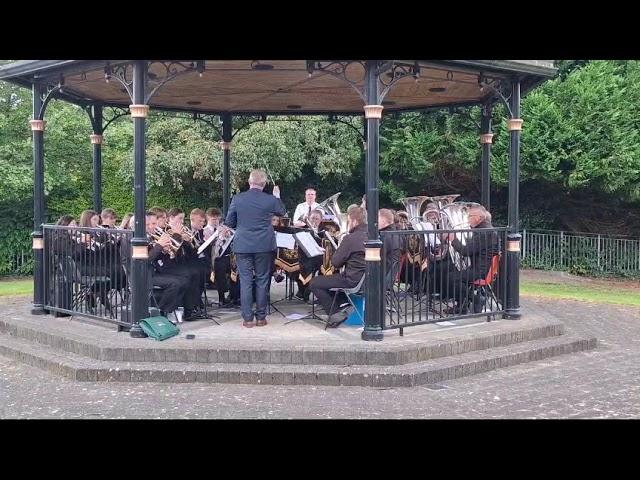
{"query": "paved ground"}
pixel 604 383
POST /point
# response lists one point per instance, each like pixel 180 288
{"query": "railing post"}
pixel 561 249
pixel 524 243
pixel 598 250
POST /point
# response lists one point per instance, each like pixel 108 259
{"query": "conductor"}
pixel 250 213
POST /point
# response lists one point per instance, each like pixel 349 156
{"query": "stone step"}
pixel 81 368
pixel 178 350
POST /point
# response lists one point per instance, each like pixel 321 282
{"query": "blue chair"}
pixel 357 290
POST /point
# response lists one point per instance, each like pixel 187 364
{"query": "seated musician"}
pixel 108 217
pixel 392 247
pixel 436 267
pixel 222 264
pixel 303 210
pixel 161 215
pixel 125 223
pixel 174 287
pixel 350 255
pixel 309 266
pixel 182 264
pixel 91 258
pixel 111 248
pixel 197 220
pixel 480 248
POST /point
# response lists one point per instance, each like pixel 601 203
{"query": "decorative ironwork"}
pixel 340 71
pixel 395 72
pixel 496 87
pixel 47 95
pixel 121 73
pixel 172 71
pixel 113 114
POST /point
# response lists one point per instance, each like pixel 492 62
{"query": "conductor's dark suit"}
pixel 250 213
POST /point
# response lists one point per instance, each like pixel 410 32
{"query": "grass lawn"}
pixel 580 292
pixel 23 286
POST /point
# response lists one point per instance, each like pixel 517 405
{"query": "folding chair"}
pixel 484 287
pixel 357 290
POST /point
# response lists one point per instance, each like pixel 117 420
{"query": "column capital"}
pixel 373 111
pixel 225 145
pixel 486 138
pixel 96 139
pixel 515 124
pixel 139 111
pixel 38 125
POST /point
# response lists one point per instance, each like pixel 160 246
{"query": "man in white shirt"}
pixel 304 209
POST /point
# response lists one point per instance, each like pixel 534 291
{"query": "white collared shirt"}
pixel 303 209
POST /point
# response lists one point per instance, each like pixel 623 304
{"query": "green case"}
pixel 159 328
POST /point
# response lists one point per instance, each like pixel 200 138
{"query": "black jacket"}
pixel 393 246
pixel 480 248
pixel 350 253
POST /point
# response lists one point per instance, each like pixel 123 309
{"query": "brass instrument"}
pixel 331 207
pixel 413 205
pixel 193 235
pixel 172 249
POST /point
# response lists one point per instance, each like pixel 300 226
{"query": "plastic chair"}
pixel 357 290
pixel 485 286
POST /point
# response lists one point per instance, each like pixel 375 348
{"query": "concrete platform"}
pixel 302 352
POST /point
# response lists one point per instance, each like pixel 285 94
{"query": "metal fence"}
pixel 580 253
pixel 19 262
pixel 426 281
pixel 83 273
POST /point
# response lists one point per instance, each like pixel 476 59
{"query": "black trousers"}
pixel 309 267
pixel 222 270
pixel 320 287
pixel 193 277
pixel 174 289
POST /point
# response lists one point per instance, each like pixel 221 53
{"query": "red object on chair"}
pixel 491 274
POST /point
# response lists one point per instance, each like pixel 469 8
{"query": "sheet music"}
pixel 308 244
pixel 212 238
pixel 285 240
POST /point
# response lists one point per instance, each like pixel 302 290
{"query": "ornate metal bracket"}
pixel 212 120
pixel 172 70
pixel 491 85
pixel 395 72
pixel 47 95
pixel 340 71
pixel 334 118
pixel 115 113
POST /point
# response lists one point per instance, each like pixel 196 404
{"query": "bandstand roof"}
pixel 278 86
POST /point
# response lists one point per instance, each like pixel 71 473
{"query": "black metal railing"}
pixel 84 275
pixel 427 279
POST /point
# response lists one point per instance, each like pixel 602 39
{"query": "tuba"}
pixel 413 205
pixel 455 216
pixel 330 207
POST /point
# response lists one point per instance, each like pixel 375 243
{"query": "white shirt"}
pixel 303 209
pixel 431 239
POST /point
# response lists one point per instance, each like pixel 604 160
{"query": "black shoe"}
pixel 336 319
pixel 226 303
pixel 300 296
pixel 190 315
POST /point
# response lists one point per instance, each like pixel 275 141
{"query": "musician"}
pixel 309 266
pixel 174 287
pixel 90 257
pixel 124 224
pixel 436 271
pixel 392 247
pixel 350 254
pixel 250 214
pixel 161 215
pixel 108 217
pixel 304 209
pixel 182 265
pixel 480 248
pixel 222 264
